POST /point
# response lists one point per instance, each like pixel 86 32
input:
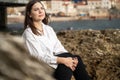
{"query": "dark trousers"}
pixel 64 73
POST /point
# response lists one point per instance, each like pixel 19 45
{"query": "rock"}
pixel 17 64
pixel 99 49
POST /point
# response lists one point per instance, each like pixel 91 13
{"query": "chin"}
pixel 38 20
pixel 41 18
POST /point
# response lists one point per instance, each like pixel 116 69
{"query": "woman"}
pixel 43 44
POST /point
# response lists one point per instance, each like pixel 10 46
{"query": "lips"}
pixel 41 15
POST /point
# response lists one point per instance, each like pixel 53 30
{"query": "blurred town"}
pixel 82 8
pixel 13 11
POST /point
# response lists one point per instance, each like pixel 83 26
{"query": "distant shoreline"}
pixel 20 19
pixel 64 18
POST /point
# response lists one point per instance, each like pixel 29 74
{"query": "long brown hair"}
pixel 28 21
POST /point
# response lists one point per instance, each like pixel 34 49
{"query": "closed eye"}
pixel 42 8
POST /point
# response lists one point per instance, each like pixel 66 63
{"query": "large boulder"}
pixel 17 64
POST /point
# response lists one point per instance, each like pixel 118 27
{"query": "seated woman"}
pixel 43 44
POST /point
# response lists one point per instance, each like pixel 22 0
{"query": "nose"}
pixel 40 10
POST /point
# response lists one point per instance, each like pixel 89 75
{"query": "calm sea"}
pixel 77 25
pixel 87 24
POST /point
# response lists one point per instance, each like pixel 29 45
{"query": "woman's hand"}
pixel 69 62
pixel 75 62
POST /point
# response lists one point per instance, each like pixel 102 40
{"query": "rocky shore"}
pixel 99 49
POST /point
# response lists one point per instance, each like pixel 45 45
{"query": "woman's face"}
pixel 37 12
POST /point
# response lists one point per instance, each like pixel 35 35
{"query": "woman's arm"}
pixel 58 47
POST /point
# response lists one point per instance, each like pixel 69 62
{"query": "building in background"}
pixel 64 6
pixel 117 4
pixel 98 8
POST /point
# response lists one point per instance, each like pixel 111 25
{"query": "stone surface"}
pixel 17 64
pixel 99 49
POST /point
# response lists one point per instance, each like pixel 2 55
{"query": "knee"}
pixel 63 67
pixel 78 57
pixel 79 60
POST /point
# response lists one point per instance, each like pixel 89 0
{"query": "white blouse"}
pixel 44 47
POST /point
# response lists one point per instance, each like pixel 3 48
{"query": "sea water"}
pixel 100 24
